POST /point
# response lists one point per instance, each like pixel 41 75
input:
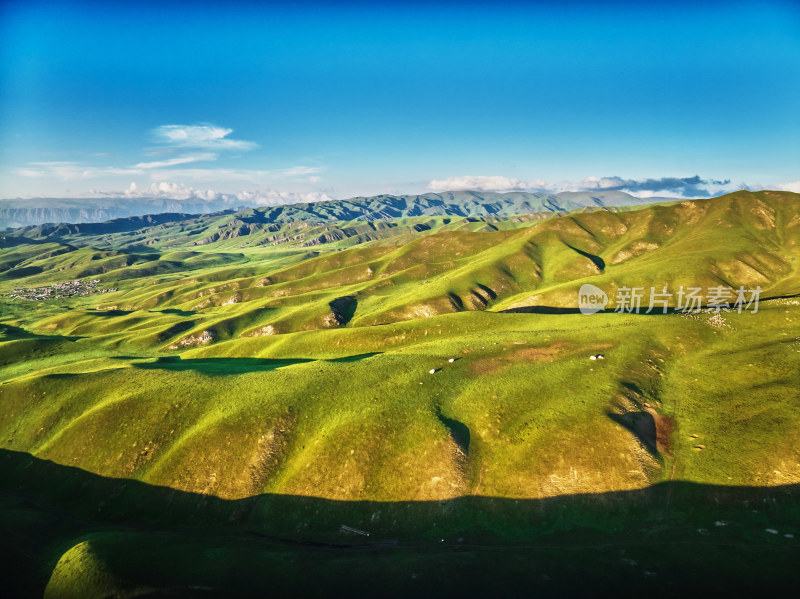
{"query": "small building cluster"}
pixel 59 291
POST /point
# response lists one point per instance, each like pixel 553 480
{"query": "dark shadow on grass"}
pixel 14 332
pixel 543 310
pixel 642 425
pixel 488 290
pixel 178 543
pixel 9 241
pixel 344 308
pixel 21 272
pixel 560 310
pixel 657 311
pixel 175 329
pixel 223 366
pixel 455 301
pixel 355 358
pixel 459 431
pixel 220 366
pixel 175 311
pixel 596 260
pixel 18 332
pixel 110 313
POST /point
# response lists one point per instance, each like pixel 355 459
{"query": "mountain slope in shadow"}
pixel 70 533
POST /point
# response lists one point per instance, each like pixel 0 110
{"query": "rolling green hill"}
pixel 418 378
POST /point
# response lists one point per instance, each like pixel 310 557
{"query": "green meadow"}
pixel 404 406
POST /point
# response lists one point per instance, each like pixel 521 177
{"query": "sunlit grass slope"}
pixel 354 413
pixel 243 376
pixel 210 295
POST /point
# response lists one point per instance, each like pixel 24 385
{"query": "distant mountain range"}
pixel 451 203
pixel 22 213
pixel 37 211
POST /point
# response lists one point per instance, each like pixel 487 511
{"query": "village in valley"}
pixel 59 291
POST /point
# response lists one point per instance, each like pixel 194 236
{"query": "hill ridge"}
pixel 26 213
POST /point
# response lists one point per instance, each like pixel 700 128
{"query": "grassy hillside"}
pixel 238 291
pixel 384 373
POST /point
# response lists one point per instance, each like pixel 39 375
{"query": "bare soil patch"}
pixel 544 354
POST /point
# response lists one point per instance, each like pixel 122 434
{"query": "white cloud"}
pixel 173 162
pixel 167 190
pixel 253 177
pixel 491 183
pixel 793 186
pixel 298 171
pixel 478 183
pixel 590 183
pixel 211 175
pixel 689 187
pixel 164 171
pixel 200 136
pixel 271 197
pixel 647 194
pixel 69 171
pixel 694 186
pixel 176 161
pixel 178 191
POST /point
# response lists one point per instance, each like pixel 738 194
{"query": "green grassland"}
pixel 242 392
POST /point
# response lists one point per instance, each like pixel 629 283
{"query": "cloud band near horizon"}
pixel 688 187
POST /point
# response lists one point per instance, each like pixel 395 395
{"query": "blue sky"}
pixel 340 99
